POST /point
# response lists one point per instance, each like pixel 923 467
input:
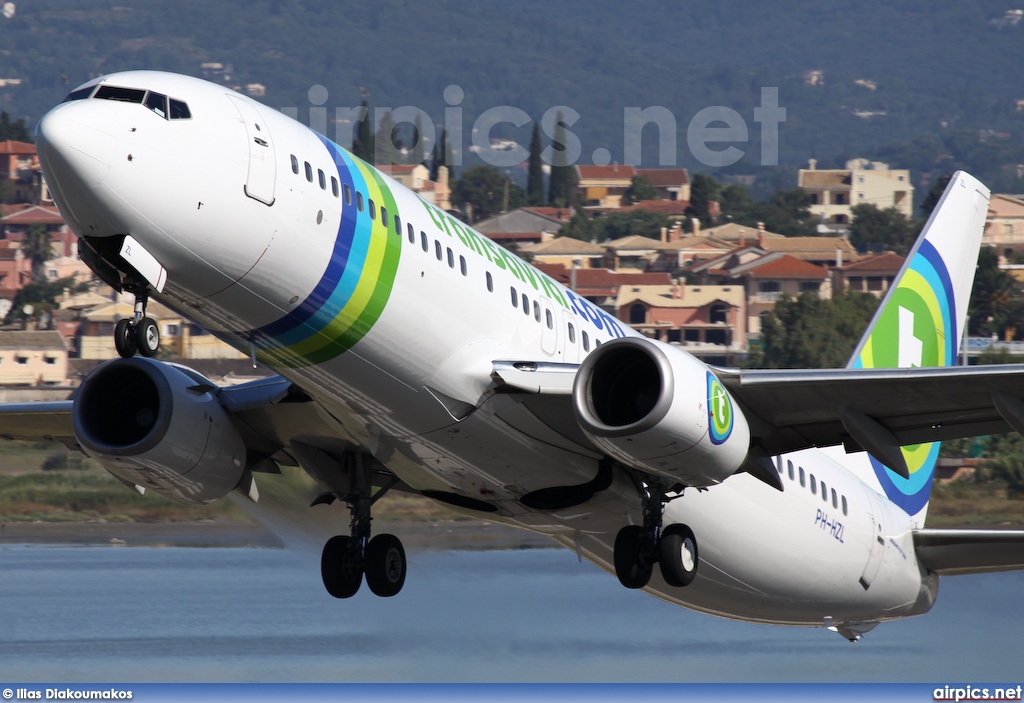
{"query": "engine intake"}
pixel 152 425
pixel 654 406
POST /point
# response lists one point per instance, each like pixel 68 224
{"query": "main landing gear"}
pixel 639 547
pixel 137 334
pixel 346 559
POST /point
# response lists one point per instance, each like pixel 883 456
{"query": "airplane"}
pixel 413 354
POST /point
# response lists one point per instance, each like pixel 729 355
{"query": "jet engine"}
pixel 655 407
pixel 153 425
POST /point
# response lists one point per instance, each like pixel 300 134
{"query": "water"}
pixel 178 614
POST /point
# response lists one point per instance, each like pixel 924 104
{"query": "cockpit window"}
pixel 80 94
pixel 179 110
pixel 124 95
pixel 157 103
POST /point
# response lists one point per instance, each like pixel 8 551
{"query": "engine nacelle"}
pixel 657 408
pixel 152 425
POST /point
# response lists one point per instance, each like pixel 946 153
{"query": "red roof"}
pixel 665 176
pixel 13 147
pixel 606 278
pixel 615 171
pixel 557 271
pixel 785 266
pixel 34 215
pixel 882 264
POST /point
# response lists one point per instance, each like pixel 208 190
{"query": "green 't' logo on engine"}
pixel 719 411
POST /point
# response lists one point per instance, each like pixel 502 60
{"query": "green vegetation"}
pixel 876 229
pixel 484 188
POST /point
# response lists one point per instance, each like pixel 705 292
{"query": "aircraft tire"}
pixel 124 339
pixel 385 565
pixel 630 565
pixel 340 567
pixel 147 337
pixel 677 555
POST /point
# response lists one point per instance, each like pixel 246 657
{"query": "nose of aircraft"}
pixel 73 153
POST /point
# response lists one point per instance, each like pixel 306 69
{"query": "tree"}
pixel 363 146
pixel 582 226
pixel 16 130
pixel 932 198
pixel 560 185
pixel 535 177
pixel 703 191
pixel 385 152
pixel 418 151
pixel 483 188
pixel 873 228
pixel 439 154
pixel 809 333
pixel 640 188
pixel 37 248
pixel 626 224
pixel 997 303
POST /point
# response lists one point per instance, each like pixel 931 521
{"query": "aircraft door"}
pixel 877 540
pixel 259 184
pixel 549 327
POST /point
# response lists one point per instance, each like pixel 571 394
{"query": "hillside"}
pixel 936 69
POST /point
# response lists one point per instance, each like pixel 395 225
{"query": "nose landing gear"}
pixel 137 334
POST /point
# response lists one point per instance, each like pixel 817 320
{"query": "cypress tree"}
pixel 535 179
pixel 418 152
pixel 385 152
pixel 561 182
pixel 362 145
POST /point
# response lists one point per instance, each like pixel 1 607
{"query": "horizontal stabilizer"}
pixel 949 552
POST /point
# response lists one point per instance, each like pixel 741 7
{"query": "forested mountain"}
pixel 940 73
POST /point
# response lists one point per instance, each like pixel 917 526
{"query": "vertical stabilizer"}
pixel 921 319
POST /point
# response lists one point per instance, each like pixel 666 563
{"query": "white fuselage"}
pixel 414 385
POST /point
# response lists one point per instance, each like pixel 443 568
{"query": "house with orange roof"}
pixel 570 253
pixel 635 253
pixel 707 320
pixel 603 186
pixel 1004 224
pixel 15 226
pixel 871 274
pixel 416 177
pixel 835 191
pixel 672 183
pixel 20 172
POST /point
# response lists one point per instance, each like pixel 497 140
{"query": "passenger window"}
pixel 835 499
pixel 814 484
pixel 359 201
pixel 179 110
pixel 412 234
pixel 398 225
pixel 824 492
pixel 462 264
pixel 157 103
pixel 526 305
pixel 295 164
pixel 803 477
pixel 536 311
pixel 323 179
pixel 515 298
pixel 490 283
pixel 451 259
pixel 423 240
pixel 844 505
pixel 586 341
pixel 348 193
pixel 572 334
pixel 597 343
pixel 384 216
pixel 309 172
pixel 550 321
pixel 373 210
pixel 334 186
pixel 438 251
pixel 789 469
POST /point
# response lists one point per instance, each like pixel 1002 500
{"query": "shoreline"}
pixel 415 535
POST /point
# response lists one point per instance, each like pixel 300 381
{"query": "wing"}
pixel 37 422
pixel 949 552
pixel 876 409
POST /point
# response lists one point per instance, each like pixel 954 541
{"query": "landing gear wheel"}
pixel 631 565
pixel 124 339
pixel 341 567
pixel 385 565
pixel 677 555
pixel 147 336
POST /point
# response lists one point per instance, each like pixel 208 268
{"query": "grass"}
pixel 970 504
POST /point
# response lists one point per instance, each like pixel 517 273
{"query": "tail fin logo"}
pixel 916 328
pixel 720 418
